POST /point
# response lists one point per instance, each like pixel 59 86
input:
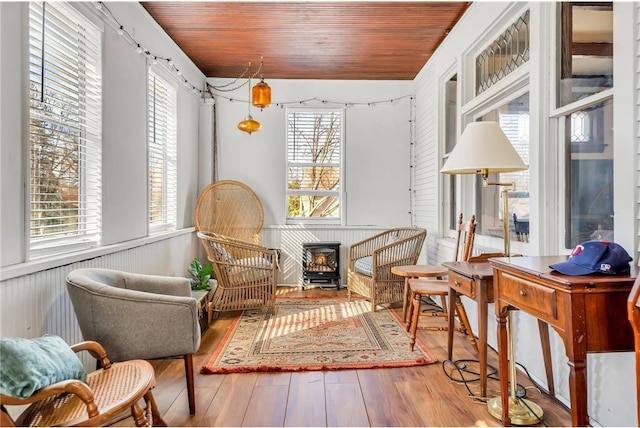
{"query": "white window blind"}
pixel 65 129
pixel 162 154
pixel 314 164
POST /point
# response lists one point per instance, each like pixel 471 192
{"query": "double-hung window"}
pixel 584 108
pixel 314 165
pixel 162 142
pixel 65 130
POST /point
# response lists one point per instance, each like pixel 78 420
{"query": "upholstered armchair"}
pixel 370 262
pixel 245 272
pixel 137 316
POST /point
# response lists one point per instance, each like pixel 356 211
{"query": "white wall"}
pixel 377 146
pixel 32 293
pixel 611 379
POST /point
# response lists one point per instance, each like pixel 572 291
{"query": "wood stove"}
pixel 321 263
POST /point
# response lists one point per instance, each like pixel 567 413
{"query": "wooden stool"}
pixel 416 271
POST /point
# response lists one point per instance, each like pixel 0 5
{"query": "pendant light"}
pixel 261 93
pixel 249 125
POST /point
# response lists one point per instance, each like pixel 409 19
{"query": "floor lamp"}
pixel 484 149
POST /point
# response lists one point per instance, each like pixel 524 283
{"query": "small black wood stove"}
pixel 321 263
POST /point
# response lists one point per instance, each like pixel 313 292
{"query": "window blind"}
pixel 162 154
pixel 65 129
pixel 314 163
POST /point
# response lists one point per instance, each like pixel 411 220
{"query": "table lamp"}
pixel 484 149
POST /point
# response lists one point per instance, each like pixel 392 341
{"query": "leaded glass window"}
pixel 505 54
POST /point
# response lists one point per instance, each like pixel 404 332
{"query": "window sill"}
pixel 21 269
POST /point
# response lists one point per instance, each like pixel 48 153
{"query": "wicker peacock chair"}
pixel 230 208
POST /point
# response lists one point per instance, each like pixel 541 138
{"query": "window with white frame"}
pixel 585 89
pixel 162 141
pixel 513 117
pixel 450 139
pixel 314 164
pixel 65 128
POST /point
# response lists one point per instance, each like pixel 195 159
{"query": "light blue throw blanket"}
pixel 26 365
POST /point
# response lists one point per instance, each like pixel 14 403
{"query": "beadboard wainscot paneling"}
pixel 37 303
pixel 289 240
pixel 425 175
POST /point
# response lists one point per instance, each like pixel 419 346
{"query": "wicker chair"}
pixel 246 273
pixel 230 208
pixel 107 392
pixel 370 262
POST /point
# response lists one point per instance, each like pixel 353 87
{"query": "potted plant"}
pixel 200 275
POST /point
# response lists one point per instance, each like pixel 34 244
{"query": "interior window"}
pixel 589 174
pixel 513 118
pixel 586 50
pixel 451 119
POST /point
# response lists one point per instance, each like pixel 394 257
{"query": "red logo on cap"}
pixel 577 250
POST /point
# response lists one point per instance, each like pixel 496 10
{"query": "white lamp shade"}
pixel 483 147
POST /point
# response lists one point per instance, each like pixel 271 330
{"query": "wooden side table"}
pixel 416 271
pixel 584 310
pixel 475 281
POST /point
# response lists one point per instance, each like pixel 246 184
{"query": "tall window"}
pixel 513 118
pixel 314 164
pixel 450 139
pixel 162 154
pixel 585 72
pixel 64 129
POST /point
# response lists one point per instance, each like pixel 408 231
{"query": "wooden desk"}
pixel 474 280
pixel 416 271
pixel 583 310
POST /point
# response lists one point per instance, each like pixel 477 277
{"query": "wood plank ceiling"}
pixel 350 40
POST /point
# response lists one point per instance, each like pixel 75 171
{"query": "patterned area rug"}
pixel 316 334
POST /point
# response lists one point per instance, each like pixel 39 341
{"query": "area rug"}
pixel 316 334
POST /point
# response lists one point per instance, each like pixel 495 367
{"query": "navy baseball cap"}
pixel 595 257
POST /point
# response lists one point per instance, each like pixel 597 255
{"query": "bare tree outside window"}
pixel 314 143
pixel 64 129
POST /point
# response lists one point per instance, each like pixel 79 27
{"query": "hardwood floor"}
pixel 413 396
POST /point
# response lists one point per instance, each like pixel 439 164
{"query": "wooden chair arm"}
pixel 96 350
pixel 71 386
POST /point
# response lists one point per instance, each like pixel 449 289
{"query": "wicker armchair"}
pixel 230 208
pixel 246 273
pixel 107 392
pixel 370 262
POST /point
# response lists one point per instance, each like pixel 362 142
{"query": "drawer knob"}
pixel 457 283
pixel 523 293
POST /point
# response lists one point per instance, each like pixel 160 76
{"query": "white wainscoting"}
pixel 289 240
pixel 38 303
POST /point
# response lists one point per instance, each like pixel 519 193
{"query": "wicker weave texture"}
pixel 107 392
pixel 394 247
pixel 230 208
pixel 246 273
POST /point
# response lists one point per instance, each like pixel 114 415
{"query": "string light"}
pixel 228 87
pixel 122 32
pixel 323 101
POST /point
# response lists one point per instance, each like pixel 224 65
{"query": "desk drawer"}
pixel 462 284
pixel 528 295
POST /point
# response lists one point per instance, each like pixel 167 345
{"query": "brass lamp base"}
pixel 521 411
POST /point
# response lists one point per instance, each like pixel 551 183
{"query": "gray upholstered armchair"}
pixel 137 316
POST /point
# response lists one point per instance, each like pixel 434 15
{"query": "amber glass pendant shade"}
pixel 261 95
pixel 249 125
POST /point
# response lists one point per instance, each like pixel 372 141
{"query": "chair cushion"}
pixel 31 364
pixel 364 265
pixel 221 252
pixel 257 270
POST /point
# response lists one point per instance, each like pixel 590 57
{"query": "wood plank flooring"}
pixel 412 396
